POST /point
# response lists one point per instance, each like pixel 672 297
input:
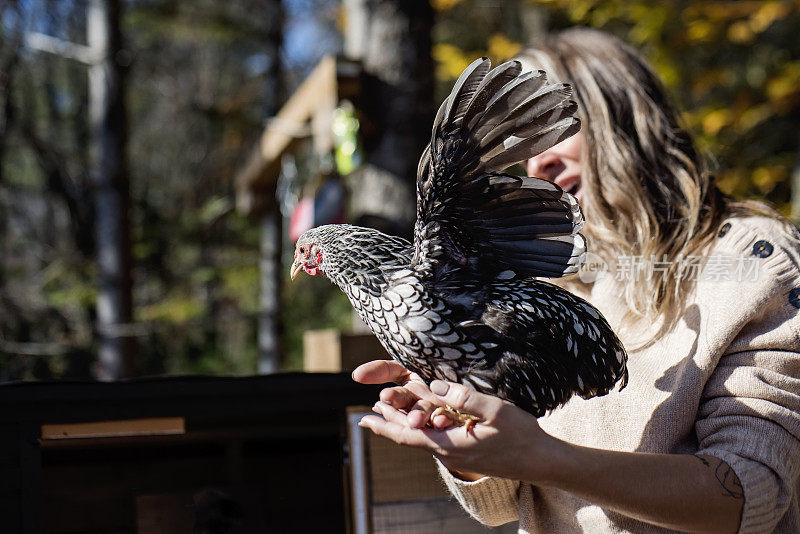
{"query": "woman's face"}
pixel 561 164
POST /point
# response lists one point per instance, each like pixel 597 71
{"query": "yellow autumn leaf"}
pixel 699 30
pixel 730 180
pixel 666 68
pixel 501 48
pixel 727 10
pixel 768 13
pixel 715 120
pixel 766 178
pixel 740 32
pixel 578 9
pixel 786 83
pixel 450 61
pixel 443 5
pixel 753 116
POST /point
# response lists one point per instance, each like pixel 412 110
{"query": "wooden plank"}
pixel 332 351
pixel 398 473
pixel 322 351
pixel 154 426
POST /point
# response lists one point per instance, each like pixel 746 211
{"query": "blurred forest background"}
pixel 200 80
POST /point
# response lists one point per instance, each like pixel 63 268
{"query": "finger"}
pixel 466 400
pixel 442 421
pixel 390 414
pixel 399 397
pixel 400 434
pixel 380 372
pixel 418 388
pixel 419 415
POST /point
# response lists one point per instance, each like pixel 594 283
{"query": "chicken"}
pixel 463 302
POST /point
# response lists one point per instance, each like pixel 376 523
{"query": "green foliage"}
pixel 732 65
pixel 194 109
pixel 310 303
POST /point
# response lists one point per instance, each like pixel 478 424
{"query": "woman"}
pixel 706 436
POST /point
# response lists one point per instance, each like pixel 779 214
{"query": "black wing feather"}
pixel 471 216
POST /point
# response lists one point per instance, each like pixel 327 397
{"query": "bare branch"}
pixel 78 52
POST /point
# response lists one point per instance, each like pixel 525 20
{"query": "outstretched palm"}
pixel 411 395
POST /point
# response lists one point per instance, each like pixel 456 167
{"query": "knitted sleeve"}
pixel 492 501
pixel 749 415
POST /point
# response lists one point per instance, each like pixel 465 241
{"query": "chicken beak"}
pixel 296 268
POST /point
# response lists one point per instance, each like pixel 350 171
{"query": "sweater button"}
pixel 724 229
pixel 762 249
pixel 794 297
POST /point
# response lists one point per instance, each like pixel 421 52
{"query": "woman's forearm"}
pixel 678 491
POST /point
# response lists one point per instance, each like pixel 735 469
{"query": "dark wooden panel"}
pixel 275 441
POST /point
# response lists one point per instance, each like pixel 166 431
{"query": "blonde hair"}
pixel 648 192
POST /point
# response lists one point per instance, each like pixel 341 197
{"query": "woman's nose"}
pixel 545 165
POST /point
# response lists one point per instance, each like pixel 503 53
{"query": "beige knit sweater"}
pixel 724 382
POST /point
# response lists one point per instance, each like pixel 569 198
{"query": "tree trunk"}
pixel 269 327
pixel 112 192
pixel 269 318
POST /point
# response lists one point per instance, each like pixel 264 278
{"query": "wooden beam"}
pixel 307 113
pixel 289 125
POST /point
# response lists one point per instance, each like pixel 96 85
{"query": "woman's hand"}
pixel 411 396
pixel 506 439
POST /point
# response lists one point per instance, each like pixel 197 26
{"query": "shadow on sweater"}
pixel 685 371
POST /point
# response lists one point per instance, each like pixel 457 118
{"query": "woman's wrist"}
pixel 549 463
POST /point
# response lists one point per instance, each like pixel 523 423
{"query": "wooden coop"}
pixel 176 455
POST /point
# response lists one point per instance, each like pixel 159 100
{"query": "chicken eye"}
pixel 302 250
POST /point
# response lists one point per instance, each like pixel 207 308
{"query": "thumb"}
pixel 380 372
pixel 466 400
